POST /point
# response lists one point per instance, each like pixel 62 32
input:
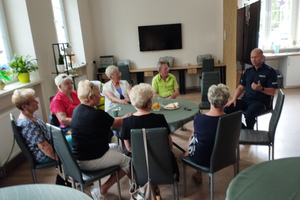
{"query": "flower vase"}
pixel 24 78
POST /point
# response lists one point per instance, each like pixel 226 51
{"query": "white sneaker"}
pixel 96 194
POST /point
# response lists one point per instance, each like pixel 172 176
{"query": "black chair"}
pixel 52 118
pixel 70 166
pixel 225 149
pixel 269 109
pixel 159 156
pixel 256 137
pixel 125 74
pixel 208 65
pixel 208 79
pixel 17 131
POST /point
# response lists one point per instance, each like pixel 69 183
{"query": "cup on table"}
pixel 115 112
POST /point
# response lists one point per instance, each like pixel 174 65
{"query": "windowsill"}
pixel 9 89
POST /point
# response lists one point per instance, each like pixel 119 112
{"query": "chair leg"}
pixel 238 159
pixel 118 183
pixel 184 180
pixel 173 191
pixel 33 175
pixel 176 189
pixel 211 186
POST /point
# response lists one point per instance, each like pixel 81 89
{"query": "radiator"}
pixel 6 134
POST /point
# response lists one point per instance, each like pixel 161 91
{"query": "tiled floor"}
pixel 286 145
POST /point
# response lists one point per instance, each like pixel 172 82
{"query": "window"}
pixel 59 20
pixel 5 52
pixel 278 23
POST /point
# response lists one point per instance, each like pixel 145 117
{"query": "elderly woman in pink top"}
pixel 64 102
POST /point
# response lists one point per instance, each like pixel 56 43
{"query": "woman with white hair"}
pixel 34 129
pixel 141 98
pixel 90 133
pixel 202 140
pixel 64 102
pixel 116 91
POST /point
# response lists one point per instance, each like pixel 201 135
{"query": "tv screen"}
pixel 160 37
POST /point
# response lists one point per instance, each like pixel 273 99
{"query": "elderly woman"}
pixel 141 98
pixel 116 91
pixel 90 131
pixel 202 140
pixel 64 102
pixel 33 128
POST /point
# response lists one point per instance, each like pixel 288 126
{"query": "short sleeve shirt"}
pixel 164 88
pixel 35 133
pixel 267 77
pixel 61 103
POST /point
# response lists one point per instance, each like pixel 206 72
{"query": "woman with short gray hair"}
pixel 202 140
pixel 64 102
pixel 116 91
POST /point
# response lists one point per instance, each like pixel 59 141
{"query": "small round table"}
pixel 42 191
pixel 271 180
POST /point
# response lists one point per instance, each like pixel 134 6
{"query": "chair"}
pixel 208 65
pixel 71 167
pixel 208 79
pixel 224 152
pixel 125 74
pixel 269 109
pixel 25 149
pixel 52 118
pixel 256 137
pixel 159 156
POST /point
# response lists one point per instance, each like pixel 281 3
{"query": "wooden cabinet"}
pixel 289 66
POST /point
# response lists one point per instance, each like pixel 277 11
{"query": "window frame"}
pixel 62 10
pixel 6 39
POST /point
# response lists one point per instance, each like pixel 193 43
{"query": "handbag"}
pixel 60 181
pixel 145 192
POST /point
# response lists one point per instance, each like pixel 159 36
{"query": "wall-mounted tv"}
pixel 160 37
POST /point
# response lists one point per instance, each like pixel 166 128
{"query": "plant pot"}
pixel 24 78
pixel 2 85
pixel 68 51
pixel 61 68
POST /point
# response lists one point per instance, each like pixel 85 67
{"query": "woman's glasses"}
pixel 117 74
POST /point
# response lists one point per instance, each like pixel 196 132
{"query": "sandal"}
pixel 197 180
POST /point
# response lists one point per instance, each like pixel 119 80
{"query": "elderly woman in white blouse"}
pixel 116 91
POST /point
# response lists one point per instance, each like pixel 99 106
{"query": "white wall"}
pixel 115 28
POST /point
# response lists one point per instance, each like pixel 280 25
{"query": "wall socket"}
pixel 2 172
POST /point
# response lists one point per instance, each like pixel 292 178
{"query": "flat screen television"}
pixel 160 37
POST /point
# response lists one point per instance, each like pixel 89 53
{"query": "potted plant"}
pixel 68 49
pixel 61 63
pixel 4 75
pixel 22 66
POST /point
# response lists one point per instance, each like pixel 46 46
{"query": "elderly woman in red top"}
pixel 64 102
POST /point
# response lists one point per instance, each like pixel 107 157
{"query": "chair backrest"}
pixel 17 131
pixel 63 150
pixel 125 74
pixel 208 79
pixel 226 142
pixel 52 118
pixel 208 65
pixel 276 115
pixel 159 156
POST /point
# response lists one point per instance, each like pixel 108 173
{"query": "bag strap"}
pixel 146 151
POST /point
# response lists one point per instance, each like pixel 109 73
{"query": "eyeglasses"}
pixel 64 77
pixel 118 74
pixel 92 85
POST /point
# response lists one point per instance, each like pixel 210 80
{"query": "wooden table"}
pixel 42 191
pixel 146 72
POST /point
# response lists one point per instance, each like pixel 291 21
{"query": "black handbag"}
pixel 60 181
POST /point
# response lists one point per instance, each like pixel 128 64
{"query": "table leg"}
pixel 182 81
pixel 176 145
